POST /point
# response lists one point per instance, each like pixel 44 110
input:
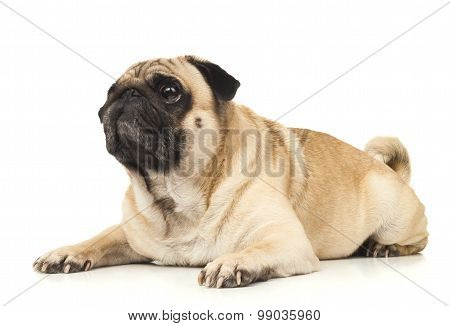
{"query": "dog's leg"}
pixel 403 233
pixel 278 251
pixel 397 241
pixel 106 249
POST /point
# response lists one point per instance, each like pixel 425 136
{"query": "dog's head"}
pixel 155 105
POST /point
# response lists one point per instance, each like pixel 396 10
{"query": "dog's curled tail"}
pixel 391 151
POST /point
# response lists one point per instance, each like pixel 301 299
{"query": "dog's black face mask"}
pixel 144 111
pixel 142 123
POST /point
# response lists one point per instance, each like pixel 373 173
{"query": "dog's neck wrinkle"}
pixel 237 119
pixel 175 197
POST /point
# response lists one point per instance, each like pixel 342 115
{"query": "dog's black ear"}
pixel 223 85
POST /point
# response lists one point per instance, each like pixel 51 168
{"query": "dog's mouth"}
pixel 139 135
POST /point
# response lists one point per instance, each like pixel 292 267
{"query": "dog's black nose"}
pixel 121 100
pixel 131 93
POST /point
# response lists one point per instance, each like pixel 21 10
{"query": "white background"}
pixel 58 185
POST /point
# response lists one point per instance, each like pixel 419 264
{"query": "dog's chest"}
pixel 188 200
pixel 170 226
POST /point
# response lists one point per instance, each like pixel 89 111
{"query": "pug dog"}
pixel 214 185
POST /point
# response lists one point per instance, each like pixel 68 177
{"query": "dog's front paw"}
pixel 68 259
pixel 231 271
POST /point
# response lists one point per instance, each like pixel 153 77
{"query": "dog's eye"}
pixel 170 92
